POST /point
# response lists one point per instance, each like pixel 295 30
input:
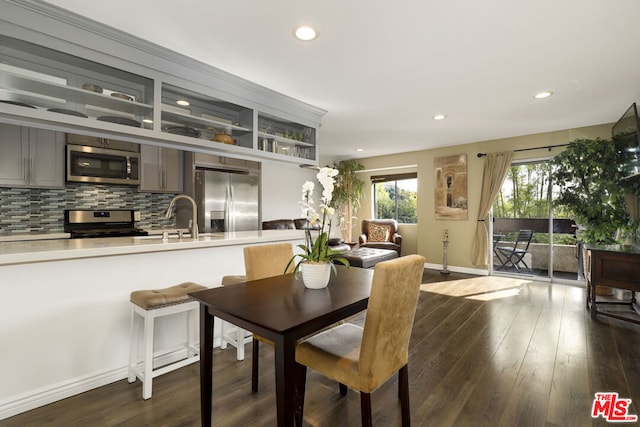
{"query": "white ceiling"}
pixel 382 69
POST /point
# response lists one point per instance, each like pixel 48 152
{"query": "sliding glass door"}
pixel 531 237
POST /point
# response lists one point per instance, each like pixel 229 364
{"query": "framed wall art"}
pixel 451 187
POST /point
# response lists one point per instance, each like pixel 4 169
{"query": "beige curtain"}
pixel 496 166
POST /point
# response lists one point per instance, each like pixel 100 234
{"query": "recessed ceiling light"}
pixel 359 150
pixel 183 102
pixel 305 33
pixel 542 95
pixel 147 121
pixel 439 117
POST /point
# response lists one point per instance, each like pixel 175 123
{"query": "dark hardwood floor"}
pixel 485 351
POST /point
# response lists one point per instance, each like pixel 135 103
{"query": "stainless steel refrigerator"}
pixel 227 200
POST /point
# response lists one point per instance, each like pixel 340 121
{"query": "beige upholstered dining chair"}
pixel 365 358
pixel 261 262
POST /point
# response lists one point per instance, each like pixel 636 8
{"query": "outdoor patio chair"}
pixel 513 256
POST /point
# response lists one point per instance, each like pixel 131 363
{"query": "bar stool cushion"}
pixel 155 298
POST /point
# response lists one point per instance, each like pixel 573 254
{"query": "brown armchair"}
pixel 380 234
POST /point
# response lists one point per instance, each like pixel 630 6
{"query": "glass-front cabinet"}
pixel 102 95
pixel 49 81
pixel 194 115
pixel 286 138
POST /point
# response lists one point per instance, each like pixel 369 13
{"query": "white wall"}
pixel 429 230
pixel 282 190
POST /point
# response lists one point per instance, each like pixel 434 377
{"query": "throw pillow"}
pixel 378 233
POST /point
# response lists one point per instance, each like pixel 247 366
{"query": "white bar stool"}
pixel 230 333
pixel 146 306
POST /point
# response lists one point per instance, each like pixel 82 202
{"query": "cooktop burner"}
pixel 80 234
pixel 85 223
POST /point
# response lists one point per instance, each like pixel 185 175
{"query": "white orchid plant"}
pixel 318 250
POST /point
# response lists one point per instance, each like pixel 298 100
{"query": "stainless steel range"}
pixel 82 223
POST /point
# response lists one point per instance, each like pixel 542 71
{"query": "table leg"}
pixel 588 293
pixel 594 311
pixel 285 353
pixel 206 365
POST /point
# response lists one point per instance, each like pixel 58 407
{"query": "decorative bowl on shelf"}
pixel 91 87
pixel 21 104
pixel 122 96
pixel 182 130
pixel 223 137
pixel 69 112
pixel 120 120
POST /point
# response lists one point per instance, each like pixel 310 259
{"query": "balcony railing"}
pixel 565 256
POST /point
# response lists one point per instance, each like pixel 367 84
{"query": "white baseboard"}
pixel 466 270
pixel 36 398
pixel 43 396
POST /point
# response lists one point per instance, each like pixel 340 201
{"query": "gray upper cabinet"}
pixel 286 138
pixel 31 157
pixel 196 115
pixel 119 87
pixel 69 89
pixel 162 169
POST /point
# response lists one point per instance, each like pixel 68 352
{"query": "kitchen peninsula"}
pixel 66 317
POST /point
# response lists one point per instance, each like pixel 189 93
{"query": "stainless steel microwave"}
pixel 102 165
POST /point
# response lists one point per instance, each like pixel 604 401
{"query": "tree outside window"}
pixel 526 193
pixel 396 197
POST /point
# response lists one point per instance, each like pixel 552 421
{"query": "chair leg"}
pixel 223 334
pixel 133 346
pixel 403 394
pixel 343 389
pixel 255 366
pixel 298 402
pixel 365 409
pixel 147 375
pixel 192 332
pixel 239 344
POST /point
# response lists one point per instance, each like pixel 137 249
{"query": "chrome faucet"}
pixel 194 221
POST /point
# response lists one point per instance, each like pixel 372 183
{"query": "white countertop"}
pixel 22 237
pixel 20 252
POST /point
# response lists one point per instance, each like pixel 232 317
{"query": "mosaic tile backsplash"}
pixel 35 211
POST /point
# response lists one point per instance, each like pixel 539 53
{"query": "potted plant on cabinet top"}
pixel 588 174
pixel 349 190
pixel 317 258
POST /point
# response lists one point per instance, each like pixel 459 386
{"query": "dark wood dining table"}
pixel 282 310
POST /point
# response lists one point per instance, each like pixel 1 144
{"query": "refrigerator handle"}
pixel 227 209
pixel 232 217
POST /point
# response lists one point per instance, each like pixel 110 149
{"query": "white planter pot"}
pixel 315 276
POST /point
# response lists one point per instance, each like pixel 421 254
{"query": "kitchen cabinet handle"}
pixel 32 171
pixel 24 169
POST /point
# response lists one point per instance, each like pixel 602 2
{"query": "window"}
pixel 396 197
